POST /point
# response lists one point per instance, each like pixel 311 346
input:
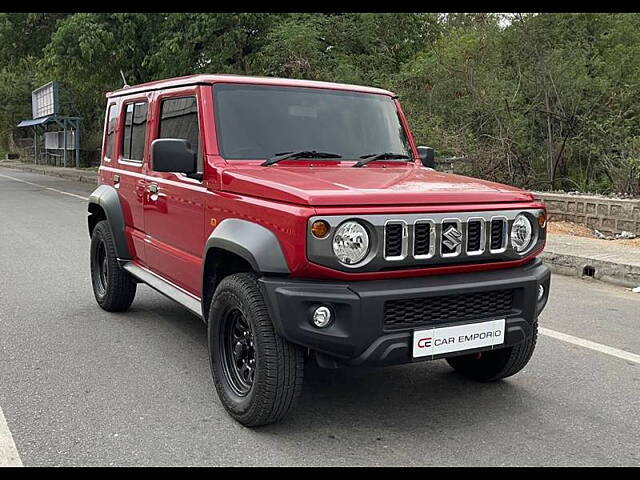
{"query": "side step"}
pixel 166 288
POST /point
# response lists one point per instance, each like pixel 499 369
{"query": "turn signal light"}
pixel 542 219
pixel 320 229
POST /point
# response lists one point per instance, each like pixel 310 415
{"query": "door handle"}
pixel 116 180
pixel 154 190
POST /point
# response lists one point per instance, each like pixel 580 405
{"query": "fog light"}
pixel 540 292
pixel 321 317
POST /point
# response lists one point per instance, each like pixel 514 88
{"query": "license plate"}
pixel 435 341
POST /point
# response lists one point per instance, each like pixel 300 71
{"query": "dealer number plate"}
pixel 435 341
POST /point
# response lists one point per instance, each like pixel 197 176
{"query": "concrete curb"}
pixel 576 266
pixel 67 173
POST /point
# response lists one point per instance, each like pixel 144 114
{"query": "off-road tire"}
pixel 496 364
pixel 113 287
pixel 277 376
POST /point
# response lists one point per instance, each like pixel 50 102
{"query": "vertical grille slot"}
pixel 498 236
pixel 393 240
pixel 474 236
pixel 422 241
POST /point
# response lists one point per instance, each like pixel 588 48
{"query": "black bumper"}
pixel 374 320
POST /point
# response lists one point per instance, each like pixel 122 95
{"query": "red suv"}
pixel 300 221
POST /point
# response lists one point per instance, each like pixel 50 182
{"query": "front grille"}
pixel 448 308
pixel 449 239
pixel 423 239
pixel 393 240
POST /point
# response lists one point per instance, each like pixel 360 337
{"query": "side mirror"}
pixel 173 155
pixel 427 156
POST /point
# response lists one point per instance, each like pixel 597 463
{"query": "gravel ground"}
pixel 569 228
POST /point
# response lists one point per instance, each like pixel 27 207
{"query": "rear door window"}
pixel 135 129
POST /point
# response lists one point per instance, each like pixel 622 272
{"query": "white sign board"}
pixel 55 140
pixel 44 100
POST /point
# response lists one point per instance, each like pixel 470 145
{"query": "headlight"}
pixel 350 243
pixel 521 233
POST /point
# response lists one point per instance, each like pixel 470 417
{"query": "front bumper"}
pixel 363 331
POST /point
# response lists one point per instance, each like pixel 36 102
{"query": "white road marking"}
pixel 46 188
pixel 8 452
pixel 598 347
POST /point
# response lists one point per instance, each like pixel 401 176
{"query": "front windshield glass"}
pixel 259 122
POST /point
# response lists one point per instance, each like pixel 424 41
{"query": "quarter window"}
pixel 179 119
pixel 135 128
pixel 111 130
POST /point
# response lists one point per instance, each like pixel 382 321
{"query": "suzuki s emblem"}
pixel 452 238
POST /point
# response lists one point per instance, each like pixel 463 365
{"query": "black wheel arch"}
pixel 236 246
pixel 104 204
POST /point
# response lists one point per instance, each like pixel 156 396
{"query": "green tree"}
pixel 537 100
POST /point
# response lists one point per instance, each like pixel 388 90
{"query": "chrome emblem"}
pixel 452 238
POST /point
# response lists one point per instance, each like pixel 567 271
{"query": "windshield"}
pixel 259 122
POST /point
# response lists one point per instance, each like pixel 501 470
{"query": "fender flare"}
pixel 256 244
pixel 107 198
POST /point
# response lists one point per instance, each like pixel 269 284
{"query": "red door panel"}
pixel 174 218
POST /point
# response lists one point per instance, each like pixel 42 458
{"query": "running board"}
pixel 166 288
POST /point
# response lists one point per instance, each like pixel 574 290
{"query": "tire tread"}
pixel 283 361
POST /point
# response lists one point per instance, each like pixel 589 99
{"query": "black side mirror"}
pixel 427 156
pixel 173 155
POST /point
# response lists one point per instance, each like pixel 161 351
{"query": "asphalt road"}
pixel 80 386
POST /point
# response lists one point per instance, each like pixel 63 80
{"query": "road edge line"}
pixel 598 347
pixel 46 188
pixel 9 456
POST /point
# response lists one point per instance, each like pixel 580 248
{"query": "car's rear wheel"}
pixel 496 364
pixel 113 287
pixel 256 372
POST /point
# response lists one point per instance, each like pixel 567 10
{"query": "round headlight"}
pixel 350 243
pixel 521 233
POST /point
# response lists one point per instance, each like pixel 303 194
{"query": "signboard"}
pixel 44 100
pixel 55 140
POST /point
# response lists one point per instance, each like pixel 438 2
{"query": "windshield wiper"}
pixel 372 157
pixel 300 154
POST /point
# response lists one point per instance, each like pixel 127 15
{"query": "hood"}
pixel 335 185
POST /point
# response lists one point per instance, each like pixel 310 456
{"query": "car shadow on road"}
pixel 415 397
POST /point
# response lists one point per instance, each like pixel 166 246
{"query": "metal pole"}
pixel 64 144
pixel 77 142
pixel 35 144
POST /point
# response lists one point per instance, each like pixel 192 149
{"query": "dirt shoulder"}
pixel 568 228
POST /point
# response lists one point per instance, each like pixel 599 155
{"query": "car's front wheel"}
pixel 256 372
pixel 496 364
